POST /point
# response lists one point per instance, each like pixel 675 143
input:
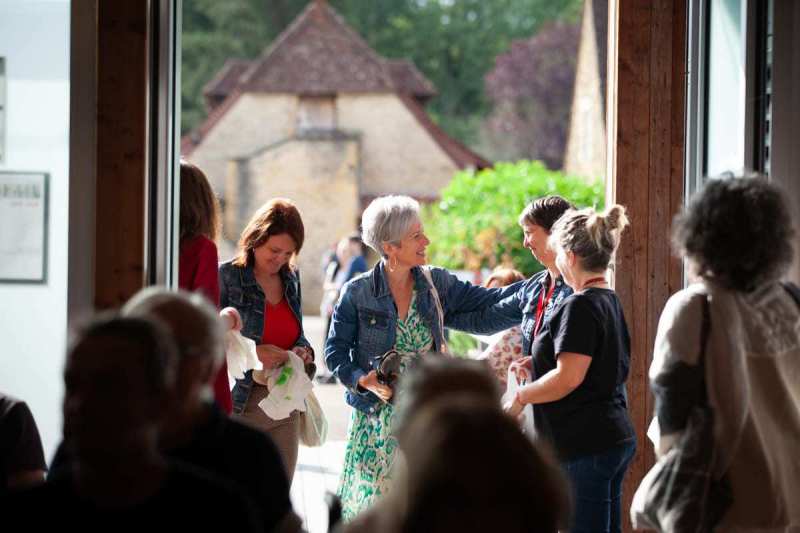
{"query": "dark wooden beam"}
pixel 121 151
pixel 646 167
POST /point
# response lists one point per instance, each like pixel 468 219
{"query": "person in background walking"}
pixel 348 263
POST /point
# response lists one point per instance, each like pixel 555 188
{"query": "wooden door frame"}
pixel 646 154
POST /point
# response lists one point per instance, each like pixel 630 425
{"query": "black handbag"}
pixel 683 495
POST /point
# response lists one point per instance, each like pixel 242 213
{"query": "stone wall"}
pixel 255 153
pixel 400 156
pixel 321 178
pixel 254 121
pixel 586 143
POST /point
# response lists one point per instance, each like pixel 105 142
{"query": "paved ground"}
pixel 318 469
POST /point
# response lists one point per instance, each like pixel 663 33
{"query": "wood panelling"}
pixel 121 150
pixel 647 154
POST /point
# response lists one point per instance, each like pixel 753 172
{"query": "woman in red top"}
pixel 197 267
pixel 260 290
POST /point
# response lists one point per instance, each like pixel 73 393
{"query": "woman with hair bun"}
pixel 581 359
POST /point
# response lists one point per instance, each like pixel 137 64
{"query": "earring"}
pixel 390 266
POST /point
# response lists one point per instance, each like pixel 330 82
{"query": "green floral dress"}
pixel 371 452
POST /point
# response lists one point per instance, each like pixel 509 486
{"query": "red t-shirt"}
pixel 280 325
pixel 197 272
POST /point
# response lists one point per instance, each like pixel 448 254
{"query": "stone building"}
pixel 586 141
pixel 322 119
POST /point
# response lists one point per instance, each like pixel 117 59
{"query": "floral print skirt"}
pixel 372 456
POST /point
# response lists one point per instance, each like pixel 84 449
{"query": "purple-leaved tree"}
pixel 530 88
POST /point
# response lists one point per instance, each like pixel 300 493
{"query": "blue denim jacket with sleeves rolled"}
pixel 364 322
pixel 239 289
pixel 515 310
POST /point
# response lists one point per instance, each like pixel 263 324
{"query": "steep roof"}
pixel 319 54
pixel 226 79
pixel 408 80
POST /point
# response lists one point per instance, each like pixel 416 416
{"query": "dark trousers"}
pixel 322 367
pixel 596 482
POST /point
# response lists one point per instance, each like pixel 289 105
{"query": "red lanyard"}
pixel 540 309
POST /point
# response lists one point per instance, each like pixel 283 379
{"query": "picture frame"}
pixel 24 217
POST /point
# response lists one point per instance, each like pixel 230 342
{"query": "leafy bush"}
pixel 475 224
pixel 462 344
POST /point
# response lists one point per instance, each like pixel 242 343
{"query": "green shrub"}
pixel 461 344
pixel 475 223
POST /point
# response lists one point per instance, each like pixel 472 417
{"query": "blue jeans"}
pixel 596 482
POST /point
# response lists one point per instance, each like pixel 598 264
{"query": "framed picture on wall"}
pixel 23 226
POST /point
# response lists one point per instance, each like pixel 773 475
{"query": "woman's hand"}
pixel 305 353
pixel 231 318
pixel 271 356
pixel 521 368
pixel 370 382
pixel 514 407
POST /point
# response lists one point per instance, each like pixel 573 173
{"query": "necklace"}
pixel 592 281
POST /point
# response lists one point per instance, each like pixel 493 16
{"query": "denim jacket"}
pixel 519 308
pixel 239 289
pixel 364 322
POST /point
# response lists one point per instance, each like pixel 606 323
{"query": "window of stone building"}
pixel 316 113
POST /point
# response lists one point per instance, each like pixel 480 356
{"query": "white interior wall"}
pixel 35 40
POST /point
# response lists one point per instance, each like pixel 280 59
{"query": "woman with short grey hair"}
pixel 384 321
pixel 738 237
pixel 388 219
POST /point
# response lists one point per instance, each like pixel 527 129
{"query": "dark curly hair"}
pixel 738 232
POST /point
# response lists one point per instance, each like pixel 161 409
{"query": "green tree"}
pixel 215 31
pixel 475 224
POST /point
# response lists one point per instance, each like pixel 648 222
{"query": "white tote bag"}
pixel 313 425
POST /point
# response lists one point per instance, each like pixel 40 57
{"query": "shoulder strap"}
pixel 705 329
pixel 793 290
pixel 426 271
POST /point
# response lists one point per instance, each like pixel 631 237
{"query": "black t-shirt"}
pixel 245 456
pixel 233 452
pixel 188 500
pixel 20 445
pixel 594 417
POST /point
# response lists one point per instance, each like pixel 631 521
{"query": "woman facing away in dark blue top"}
pixel 581 359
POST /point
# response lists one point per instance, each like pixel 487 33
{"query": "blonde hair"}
pixel 592 237
pixel 192 320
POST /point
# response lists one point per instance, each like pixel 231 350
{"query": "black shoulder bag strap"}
pixel 705 328
pixel 793 290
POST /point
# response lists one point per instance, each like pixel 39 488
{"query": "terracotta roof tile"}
pixel 318 54
pixel 407 79
pixel 227 78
